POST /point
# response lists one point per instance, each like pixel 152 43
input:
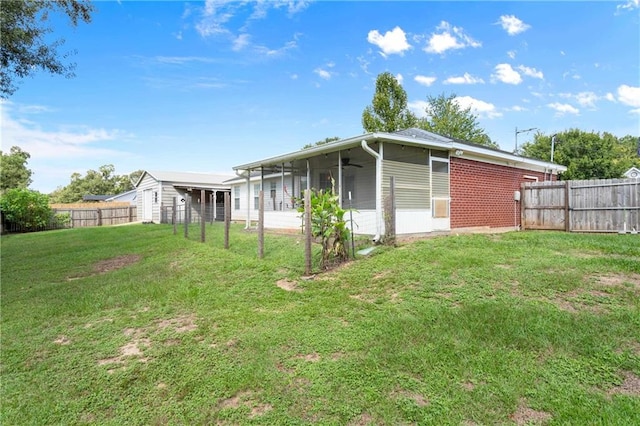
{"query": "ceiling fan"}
pixel 347 163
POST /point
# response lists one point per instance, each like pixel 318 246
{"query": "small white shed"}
pixel 156 190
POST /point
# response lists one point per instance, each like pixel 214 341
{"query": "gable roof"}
pixel 633 172
pixel 414 137
pixel 186 178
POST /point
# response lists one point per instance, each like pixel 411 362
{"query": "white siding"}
pixel 148 183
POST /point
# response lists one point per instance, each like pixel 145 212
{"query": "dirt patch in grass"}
pixel 288 285
pixel 418 399
pixel 314 357
pixel 180 324
pixel 140 341
pixel 630 386
pixel 108 265
pixel 618 280
pixel 115 263
pixel 62 340
pixel 524 415
pixel 245 399
pixel 363 419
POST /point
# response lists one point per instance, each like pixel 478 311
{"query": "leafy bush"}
pixel 61 220
pixel 26 209
pixel 328 224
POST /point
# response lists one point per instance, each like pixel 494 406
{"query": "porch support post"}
pixel 308 175
pixel 282 189
pixel 247 224
pixel 215 203
pixel 340 178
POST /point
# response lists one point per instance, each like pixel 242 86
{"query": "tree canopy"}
pixel 103 181
pixel 446 117
pixel 26 47
pixel 587 155
pixel 13 169
pixel 388 111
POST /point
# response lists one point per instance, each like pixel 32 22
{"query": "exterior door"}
pixel 147 205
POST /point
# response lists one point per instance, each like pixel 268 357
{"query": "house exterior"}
pixel 632 173
pixel 441 183
pixel 156 191
pixel 125 197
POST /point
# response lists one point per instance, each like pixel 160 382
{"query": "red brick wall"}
pixel 482 193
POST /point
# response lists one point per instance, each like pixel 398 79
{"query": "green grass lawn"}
pixel 133 325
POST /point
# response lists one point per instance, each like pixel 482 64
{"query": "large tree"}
pixel 388 111
pixel 13 169
pixel 446 117
pixel 103 181
pixel 25 43
pixel 587 155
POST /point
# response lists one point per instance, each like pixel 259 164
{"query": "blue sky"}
pixel 204 86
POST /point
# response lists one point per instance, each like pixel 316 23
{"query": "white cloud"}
pixel 419 108
pixel 241 42
pixel 629 95
pixel 478 107
pixel 400 78
pixel 531 72
pixel 230 17
pixel 587 99
pixel 464 79
pixel 424 80
pixel 518 108
pixel 634 111
pixel 511 54
pixel 294 76
pixel 449 37
pixel 513 25
pixel 609 96
pixel 562 109
pixel 272 53
pixel 393 42
pixel 506 74
pixel 629 5
pixel 61 143
pixel 324 74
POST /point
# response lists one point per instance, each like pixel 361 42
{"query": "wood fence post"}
pixel 187 206
pixel 99 211
pixel 227 218
pixel 212 203
pixel 307 232
pixel 261 225
pixel 203 212
pixel 173 216
pixel 567 207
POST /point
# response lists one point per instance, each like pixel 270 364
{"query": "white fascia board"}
pixel 490 155
pixel 307 153
pixel 439 142
pixel 256 177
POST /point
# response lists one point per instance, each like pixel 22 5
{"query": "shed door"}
pixel 147 202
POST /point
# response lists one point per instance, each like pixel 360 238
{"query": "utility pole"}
pixel 515 151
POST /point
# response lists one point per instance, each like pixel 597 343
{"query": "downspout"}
pixel 378 157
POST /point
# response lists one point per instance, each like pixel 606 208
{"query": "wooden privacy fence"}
pixel 98 216
pixel 604 205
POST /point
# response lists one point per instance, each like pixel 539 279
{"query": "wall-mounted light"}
pixel 155 197
pixel 459 152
